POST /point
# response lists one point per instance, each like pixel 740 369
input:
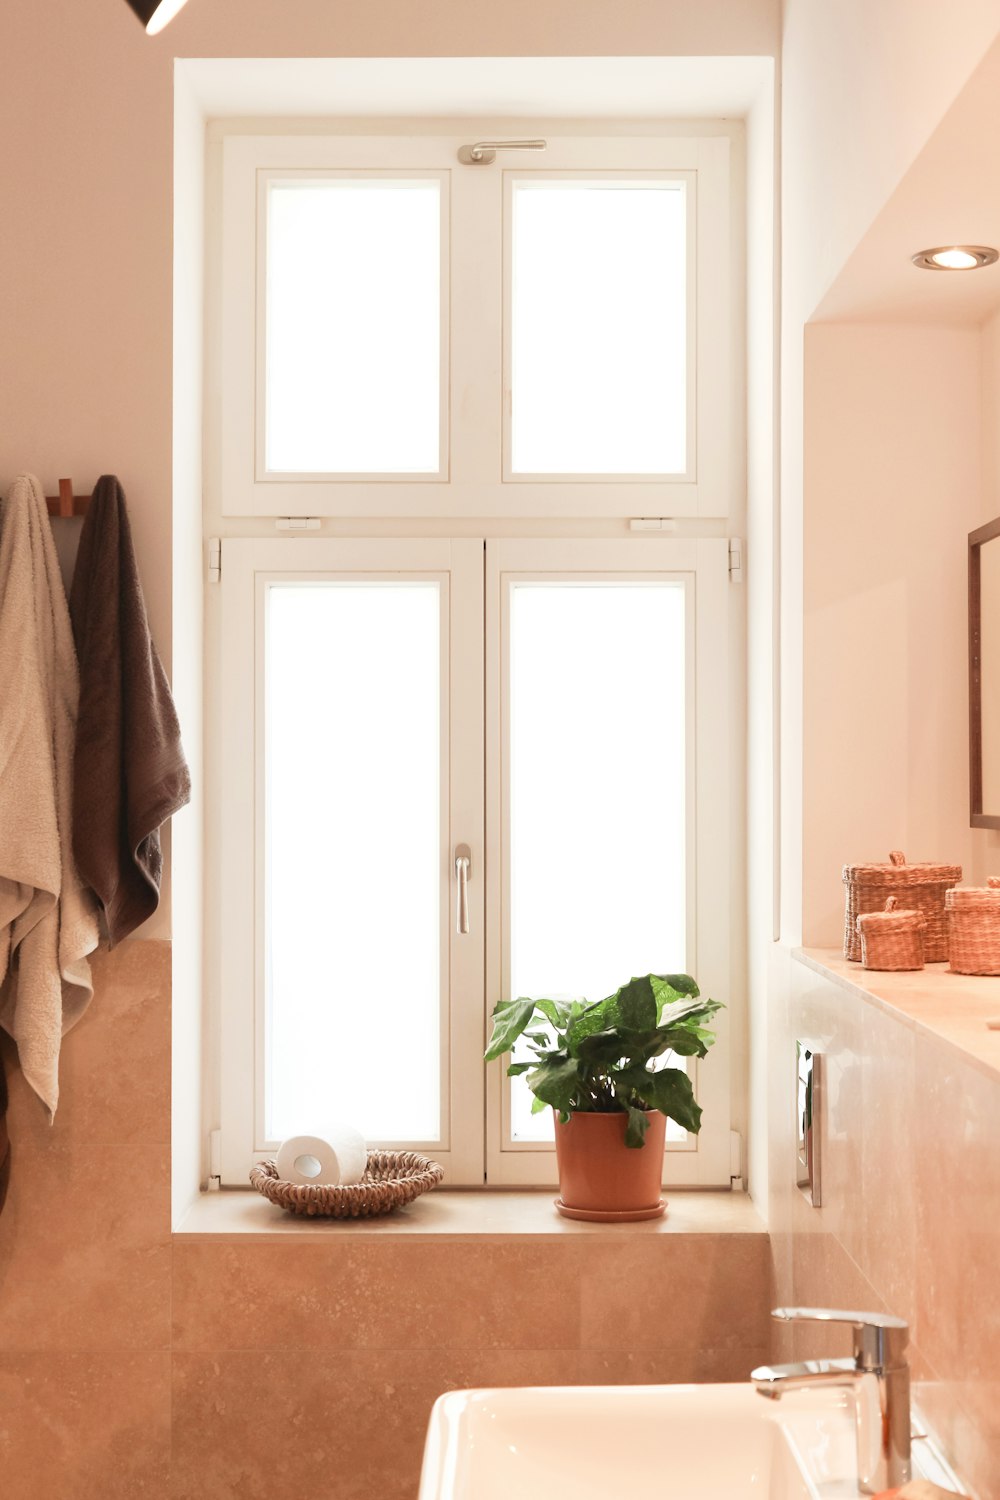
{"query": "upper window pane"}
pixel 352 379
pixel 598 327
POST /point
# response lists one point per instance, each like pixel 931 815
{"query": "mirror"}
pixel 984 675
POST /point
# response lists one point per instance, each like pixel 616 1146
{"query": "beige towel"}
pixel 48 920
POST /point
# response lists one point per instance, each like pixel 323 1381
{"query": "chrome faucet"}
pixel 877 1376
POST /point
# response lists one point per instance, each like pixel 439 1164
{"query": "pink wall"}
pixel 892 483
pixel 863 87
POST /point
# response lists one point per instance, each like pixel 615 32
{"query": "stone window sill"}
pixel 234 1215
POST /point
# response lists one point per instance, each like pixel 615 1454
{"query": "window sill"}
pixel 236 1214
pixel 952 1008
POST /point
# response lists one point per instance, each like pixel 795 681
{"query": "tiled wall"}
pixel 909 1222
pixel 134 1368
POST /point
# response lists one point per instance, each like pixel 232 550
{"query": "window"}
pixel 403 335
pixel 598 837
pixel 449 352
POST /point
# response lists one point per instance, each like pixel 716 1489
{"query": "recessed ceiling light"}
pixel 155 14
pixel 955 258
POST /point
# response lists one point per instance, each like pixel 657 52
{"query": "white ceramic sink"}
pixel 668 1442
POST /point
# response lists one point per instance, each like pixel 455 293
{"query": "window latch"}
pixel 482 153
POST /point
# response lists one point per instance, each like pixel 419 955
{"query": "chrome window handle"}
pixel 463 864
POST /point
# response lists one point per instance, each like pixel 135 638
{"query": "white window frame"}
pixel 476 393
pixel 250 565
pixel 474 965
pixel 703 565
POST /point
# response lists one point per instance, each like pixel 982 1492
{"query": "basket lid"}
pixel 899 871
pixel 975 897
pixel 893 919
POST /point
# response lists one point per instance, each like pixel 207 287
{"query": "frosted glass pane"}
pixel 597 794
pixel 353 326
pixel 598 331
pixel 353 859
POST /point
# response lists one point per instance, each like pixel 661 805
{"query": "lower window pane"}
pixel 353 859
pixel 598 866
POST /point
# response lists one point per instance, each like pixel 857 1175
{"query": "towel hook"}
pixel 66 505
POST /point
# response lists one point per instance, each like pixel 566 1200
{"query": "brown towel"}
pixel 130 774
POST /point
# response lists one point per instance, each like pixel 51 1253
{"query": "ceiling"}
pixel 950 195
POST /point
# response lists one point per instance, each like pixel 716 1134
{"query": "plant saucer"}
pixel 611 1215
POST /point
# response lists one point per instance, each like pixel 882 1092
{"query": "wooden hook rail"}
pixel 66 504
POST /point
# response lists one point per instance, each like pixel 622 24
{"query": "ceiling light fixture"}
pixel 155 14
pixel 955 258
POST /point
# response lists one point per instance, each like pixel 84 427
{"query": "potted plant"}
pixel 595 1065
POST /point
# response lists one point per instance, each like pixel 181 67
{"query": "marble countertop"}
pixel 955 1008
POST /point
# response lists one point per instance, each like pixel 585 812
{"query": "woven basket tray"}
pixel 892 939
pixel 920 887
pixel 974 929
pixel 391 1179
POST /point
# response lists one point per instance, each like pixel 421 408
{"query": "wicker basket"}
pixel 892 939
pixel 974 929
pixel 922 887
pixel 391 1179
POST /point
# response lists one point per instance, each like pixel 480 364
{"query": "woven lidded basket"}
pixel 974 929
pixel 922 887
pixel 892 939
pixel 391 1179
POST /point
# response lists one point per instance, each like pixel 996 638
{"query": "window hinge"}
pixel 214 1160
pixel 736 1159
pixel 297 523
pixel 736 559
pixel 214 559
pixel 652 523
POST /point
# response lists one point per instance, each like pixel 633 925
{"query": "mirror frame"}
pixel 977 818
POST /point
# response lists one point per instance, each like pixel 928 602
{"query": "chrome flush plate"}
pixel 808 1121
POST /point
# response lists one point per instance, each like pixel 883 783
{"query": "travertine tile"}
pixel 381 1295
pixel 114 1069
pixel 886 1204
pixel 710 1292
pixel 85 1250
pixel 85 1427
pixel 346 1426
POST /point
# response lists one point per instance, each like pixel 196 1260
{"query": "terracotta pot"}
pixel 602 1178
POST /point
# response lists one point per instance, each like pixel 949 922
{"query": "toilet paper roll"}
pixel 337 1159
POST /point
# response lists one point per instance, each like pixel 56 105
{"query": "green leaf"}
pixel 688 1010
pixel 680 984
pixel 555 1011
pixel 586 1022
pixel 516 1069
pixel 555 1082
pixel 668 1090
pixel 635 1131
pixel 510 1017
pixel 537 1105
pixel 633 1007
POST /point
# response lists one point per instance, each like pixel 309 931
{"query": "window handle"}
pixel 463 864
